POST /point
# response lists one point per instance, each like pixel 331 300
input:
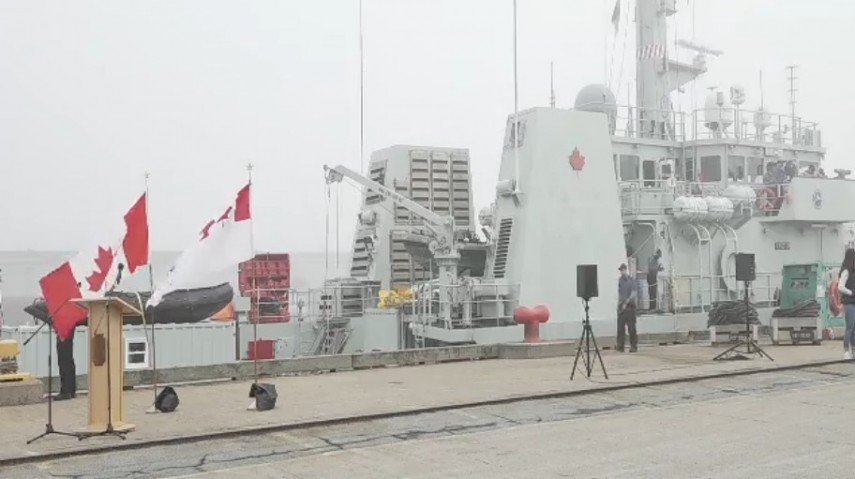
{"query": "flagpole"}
pixel 254 285
pixel 151 287
pixel 516 112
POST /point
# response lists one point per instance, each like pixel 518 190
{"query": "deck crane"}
pixel 442 246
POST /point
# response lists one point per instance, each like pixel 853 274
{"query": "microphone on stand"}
pixel 121 267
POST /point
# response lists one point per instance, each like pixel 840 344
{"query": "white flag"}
pixel 222 243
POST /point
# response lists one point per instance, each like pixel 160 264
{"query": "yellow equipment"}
pixel 9 352
pixel 395 298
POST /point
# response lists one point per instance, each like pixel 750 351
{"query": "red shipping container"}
pixel 261 349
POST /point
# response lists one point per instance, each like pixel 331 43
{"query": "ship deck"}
pixel 219 409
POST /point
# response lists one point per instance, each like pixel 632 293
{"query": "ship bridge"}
pixel 705 185
pixel 777 157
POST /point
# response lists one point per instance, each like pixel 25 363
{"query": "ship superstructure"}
pixel 605 183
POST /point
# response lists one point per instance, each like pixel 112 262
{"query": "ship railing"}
pixel 639 197
pixel 471 304
pixel 755 126
pixel 650 123
pixel 331 302
pixel 698 293
pixel 655 197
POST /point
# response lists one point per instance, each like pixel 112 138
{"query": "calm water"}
pixel 22 270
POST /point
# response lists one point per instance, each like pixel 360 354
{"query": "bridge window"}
pixel 628 167
pixel 648 168
pixel 736 168
pixel 755 170
pixel 710 169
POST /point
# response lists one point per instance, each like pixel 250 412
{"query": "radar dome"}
pixel 598 98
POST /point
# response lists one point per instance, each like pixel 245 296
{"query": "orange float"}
pixel 834 299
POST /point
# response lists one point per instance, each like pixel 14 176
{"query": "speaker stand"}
pixel 587 338
pixel 751 346
pixel 49 429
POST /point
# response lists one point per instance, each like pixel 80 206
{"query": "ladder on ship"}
pixel 332 336
pixel 705 293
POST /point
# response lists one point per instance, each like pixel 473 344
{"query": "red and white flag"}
pixel 94 270
pixel 223 242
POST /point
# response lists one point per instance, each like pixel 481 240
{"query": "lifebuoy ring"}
pixel 766 199
pixel 834 303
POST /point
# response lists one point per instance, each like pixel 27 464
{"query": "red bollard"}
pixel 531 318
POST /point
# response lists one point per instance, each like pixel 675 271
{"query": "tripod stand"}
pixel 751 346
pixel 110 430
pixel 587 338
pixel 49 426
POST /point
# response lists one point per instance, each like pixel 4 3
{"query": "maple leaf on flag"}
pixel 104 262
pixel 206 231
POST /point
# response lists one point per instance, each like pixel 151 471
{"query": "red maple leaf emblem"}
pixel 577 161
pixel 104 262
pixel 206 231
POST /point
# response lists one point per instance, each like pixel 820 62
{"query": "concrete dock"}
pixel 217 410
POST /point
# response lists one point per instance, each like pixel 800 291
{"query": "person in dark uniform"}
pixel 627 294
pixel 67 369
pixel 654 266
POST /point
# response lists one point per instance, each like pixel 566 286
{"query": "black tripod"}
pixel 109 431
pixel 751 346
pixel 49 426
pixel 587 338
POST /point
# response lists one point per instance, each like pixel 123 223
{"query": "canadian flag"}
pixel 222 243
pixel 94 270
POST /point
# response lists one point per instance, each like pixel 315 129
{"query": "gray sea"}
pixel 21 271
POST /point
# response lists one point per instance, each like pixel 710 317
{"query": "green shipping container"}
pixel 810 281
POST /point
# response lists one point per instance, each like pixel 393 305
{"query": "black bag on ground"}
pixel 167 400
pixel 264 394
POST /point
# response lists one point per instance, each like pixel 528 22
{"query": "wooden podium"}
pixel 106 365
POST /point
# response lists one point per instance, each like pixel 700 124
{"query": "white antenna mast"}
pixel 761 90
pixel 792 71
pixel 551 86
pixel 361 99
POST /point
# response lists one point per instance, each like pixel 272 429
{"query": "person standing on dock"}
pixel 67 369
pixel 846 286
pixel 654 266
pixel 626 320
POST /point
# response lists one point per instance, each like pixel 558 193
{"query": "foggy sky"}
pixel 95 93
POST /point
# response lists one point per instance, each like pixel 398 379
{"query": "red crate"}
pixel 261 349
pixel 266 280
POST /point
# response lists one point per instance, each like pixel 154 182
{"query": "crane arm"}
pixel 335 174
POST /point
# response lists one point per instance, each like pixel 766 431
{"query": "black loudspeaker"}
pixel 586 281
pixel 167 400
pixel 265 396
pixel 745 269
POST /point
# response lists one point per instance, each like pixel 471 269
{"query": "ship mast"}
pixel 657 75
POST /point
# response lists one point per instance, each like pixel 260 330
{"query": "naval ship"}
pixel 601 184
pixel 597 184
